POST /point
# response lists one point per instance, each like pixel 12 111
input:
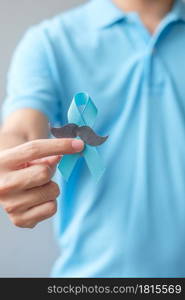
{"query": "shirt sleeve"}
pixel 30 83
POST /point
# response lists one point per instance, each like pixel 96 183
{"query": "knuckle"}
pixel 48 192
pixel 9 208
pixel 18 222
pixel 32 148
pixel 54 189
pixel 4 185
pixel 3 189
pixel 52 208
pixel 44 173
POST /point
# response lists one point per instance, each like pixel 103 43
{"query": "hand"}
pixel 26 191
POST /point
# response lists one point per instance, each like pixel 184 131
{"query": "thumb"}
pixel 49 160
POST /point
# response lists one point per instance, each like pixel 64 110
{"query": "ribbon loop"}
pixel 82 111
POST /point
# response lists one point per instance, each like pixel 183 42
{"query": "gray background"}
pixel 23 252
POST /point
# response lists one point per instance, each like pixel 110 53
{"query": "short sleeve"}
pixel 30 83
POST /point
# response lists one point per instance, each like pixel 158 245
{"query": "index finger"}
pixel 36 149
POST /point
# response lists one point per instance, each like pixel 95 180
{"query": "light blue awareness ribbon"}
pixel 82 111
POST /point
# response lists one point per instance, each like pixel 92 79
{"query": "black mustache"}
pixel 84 132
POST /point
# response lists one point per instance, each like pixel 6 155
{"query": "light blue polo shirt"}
pixel 132 222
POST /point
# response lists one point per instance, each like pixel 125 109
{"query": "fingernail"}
pixel 77 145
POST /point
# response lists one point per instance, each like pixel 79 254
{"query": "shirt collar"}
pixel 103 13
pixel 178 10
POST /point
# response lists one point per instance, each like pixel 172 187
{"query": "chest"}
pixel 117 66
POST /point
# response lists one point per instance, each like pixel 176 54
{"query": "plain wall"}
pixel 24 252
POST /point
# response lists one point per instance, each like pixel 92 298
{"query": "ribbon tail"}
pixel 94 162
pixel 67 164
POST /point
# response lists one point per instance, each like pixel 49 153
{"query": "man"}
pixel 129 57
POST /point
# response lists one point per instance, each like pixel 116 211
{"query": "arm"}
pixel 27 158
pixel 22 126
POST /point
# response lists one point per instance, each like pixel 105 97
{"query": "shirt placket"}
pixel 146 46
